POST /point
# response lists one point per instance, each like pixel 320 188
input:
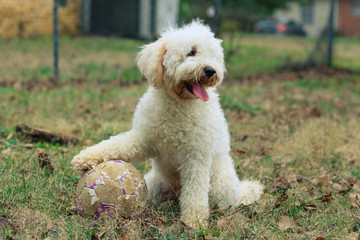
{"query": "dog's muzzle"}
pixel 198 88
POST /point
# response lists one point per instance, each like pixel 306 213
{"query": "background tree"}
pixel 235 14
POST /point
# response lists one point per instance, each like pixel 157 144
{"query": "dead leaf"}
pixel 324 180
pixel 347 182
pixel 285 223
pixel 124 236
pixel 17 85
pixel 354 199
pixel 279 184
pixel 122 103
pixel 111 106
pixel 326 198
pixel 241 152
pixel 356 187
pixel 311 207
pixel 45 162
pixel 245 161
pixel 335 187
pixel 315 112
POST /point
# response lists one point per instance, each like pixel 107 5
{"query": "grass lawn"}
pixel 300 138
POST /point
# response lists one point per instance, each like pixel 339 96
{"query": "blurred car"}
pixel 280 27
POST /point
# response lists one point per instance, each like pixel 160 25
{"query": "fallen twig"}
pixel 38 134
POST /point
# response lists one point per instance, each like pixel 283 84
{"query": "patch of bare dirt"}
pixel 31 84
pixel 52 83
pixel 285 74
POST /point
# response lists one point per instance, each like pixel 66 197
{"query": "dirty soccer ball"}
pixel 114 188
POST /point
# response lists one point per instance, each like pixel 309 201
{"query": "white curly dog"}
pixel 180 125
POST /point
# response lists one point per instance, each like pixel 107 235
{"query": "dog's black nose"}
pixel 209 71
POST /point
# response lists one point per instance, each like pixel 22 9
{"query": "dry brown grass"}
pixel 298 153
pixel 299 137
pixel 320 138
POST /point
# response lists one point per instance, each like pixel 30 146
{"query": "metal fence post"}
pixel 215 20
pixel 331 34
pixel 56 41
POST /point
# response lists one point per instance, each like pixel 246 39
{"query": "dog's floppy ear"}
pixel 150 62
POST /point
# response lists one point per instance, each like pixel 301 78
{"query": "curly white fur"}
pixel 186 137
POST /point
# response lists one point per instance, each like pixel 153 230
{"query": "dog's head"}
pixel 186 61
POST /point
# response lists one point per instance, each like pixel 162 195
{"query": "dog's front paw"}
pixel 250 192
pixel 80 164
pixel 85 160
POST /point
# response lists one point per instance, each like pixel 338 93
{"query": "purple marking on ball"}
pixel 104 208
pixel 133 193
pixel 121 181
pixel 91 172
pixel 93 186
pixel 118 161
pixel 97 213
pixel 79 208
pixel 123 191
pixel 100 178
pixel 85 185
pixel 135 179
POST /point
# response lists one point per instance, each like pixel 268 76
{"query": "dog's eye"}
pixel 191 53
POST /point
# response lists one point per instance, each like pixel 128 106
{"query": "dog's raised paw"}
pixel 81 164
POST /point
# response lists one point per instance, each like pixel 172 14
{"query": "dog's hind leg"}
pixel 226 188
pixel 129 146
pixel 160 188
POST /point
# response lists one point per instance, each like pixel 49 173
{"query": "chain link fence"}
pixel 98 40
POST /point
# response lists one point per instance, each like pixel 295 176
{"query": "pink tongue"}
pixel 199 90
